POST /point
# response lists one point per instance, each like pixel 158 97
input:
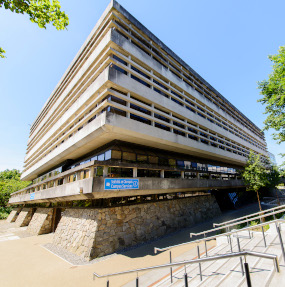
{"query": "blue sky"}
pixel 227 42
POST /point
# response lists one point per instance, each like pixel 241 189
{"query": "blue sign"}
pixel 32 195
pixel 121 183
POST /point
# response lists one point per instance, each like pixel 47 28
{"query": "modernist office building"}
pixel 130 129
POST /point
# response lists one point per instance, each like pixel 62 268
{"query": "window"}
pixel 129 156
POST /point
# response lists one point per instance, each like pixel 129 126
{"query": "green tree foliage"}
pixel 273 91
pixel 9 183
pixel 41 12
pixel 254 174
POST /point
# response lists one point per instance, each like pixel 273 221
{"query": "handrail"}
pixel 233 224
pixel 219 235
pixel 247 216
pixel 200 260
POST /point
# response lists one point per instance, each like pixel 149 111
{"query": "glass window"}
pixel 98 171
pixel 190 175
pixel 194 165
pixel 153 159
pixel 163 161
pixel 172 174
pixel 148 173
pixel 129 156
pixel 154 173
pixel 101 157
pixel 142 158
pixel 187 164
pixel 172 162
pixel 107 154
pixel 180 163
pixel 116 154
pixel 120 172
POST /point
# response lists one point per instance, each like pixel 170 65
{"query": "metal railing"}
pixel 249 215
pixel 228 234
pixel 260 217
pixel 195 261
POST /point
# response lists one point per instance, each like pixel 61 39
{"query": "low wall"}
pixel 24 217
pixel 91 233
pixel 13 215
pixel 41 222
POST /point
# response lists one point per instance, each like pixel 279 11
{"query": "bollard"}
pixel 281 242
pixel 240 259
pixel 170 261
pixel 247 274
pixel 200 268
pixel 185 280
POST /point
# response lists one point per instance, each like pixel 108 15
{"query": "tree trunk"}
pixel 258 200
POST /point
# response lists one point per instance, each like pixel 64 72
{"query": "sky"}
pixel 227 42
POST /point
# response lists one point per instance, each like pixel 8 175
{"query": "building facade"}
pixel 131 123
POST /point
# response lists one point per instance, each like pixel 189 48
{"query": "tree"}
pixel 273 91
pixel 41 12
pixel 9 183
pixel 255 175
pixel 274 178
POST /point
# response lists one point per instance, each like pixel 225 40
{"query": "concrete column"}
pixel 65 180
pixel 198 175
pixel 182 174
pixel 105 171
pixel 162 173
pixel 91 172
pixel 135 172
pixel 128 104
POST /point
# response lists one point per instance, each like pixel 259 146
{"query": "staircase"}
pixel 224 272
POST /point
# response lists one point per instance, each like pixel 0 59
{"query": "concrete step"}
pixel 223 270
pixel 179 271
pixel 210 269
pixel 235 275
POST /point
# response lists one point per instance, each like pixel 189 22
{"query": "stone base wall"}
pixel 13 215
pixel 41 222
pixel 24 217
pixel 91 233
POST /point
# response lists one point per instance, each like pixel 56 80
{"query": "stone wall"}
pixel 41 222
pixel 24 217
pixel 13 215
pixel 91 233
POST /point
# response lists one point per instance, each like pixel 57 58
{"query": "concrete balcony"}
pixel 93 188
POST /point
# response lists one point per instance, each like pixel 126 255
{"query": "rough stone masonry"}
pixel 96 232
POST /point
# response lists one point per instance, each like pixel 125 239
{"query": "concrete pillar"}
pixel 162 173
pixel 91 172
pixel 135 172
pixel 182 174
pixel 105 171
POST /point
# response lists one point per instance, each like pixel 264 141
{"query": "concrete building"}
pixel 130 125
